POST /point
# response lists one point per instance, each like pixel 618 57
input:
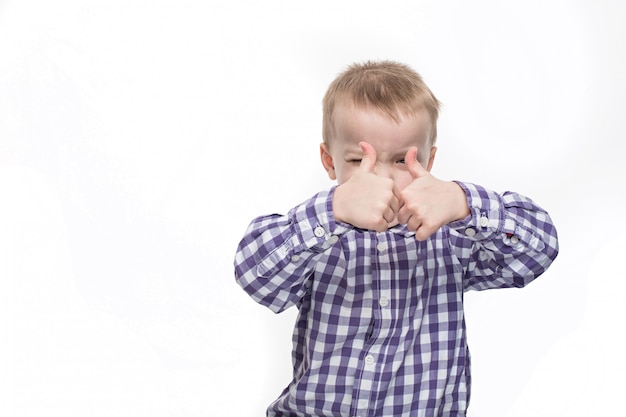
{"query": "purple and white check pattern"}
pixel 380 329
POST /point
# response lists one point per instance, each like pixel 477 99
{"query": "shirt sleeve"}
pixel 506 241
pixel 277 254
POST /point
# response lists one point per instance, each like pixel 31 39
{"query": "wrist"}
pixel 336 205
pixel 461 203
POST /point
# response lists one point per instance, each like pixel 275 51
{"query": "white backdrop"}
pixel 138 139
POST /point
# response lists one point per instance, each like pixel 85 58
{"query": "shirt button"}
pixel 484 222
pixel 295 258
pixel 514 239
pixel 333 239
pixel 469 232
pixel 384 301
pixel 369 360
pixel 319 231
pixel 381 246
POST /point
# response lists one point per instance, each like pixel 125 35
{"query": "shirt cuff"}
pixel 486 218
pixel 314 225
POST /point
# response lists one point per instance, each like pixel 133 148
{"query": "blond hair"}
pixel 389 87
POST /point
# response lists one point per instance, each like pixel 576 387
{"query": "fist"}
pixel 366 200
pixel 428 203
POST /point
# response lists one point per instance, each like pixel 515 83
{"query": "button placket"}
pixel 367 381
pixel 383 301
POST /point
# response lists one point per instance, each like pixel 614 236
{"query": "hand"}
pixel 427 202
pixel 366 200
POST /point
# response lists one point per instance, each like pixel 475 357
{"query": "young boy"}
pixel 377 265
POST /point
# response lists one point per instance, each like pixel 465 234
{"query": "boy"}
pixel 378 264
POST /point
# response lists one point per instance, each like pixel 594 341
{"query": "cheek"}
pixel 344 172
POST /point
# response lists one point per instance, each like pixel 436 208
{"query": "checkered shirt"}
pixel 380 329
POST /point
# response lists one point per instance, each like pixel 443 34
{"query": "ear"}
pixel 327 161
pixel 431 158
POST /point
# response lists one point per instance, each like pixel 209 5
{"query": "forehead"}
pixel 353 124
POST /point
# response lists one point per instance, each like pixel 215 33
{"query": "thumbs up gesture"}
pixel 366 200
pixel 428 203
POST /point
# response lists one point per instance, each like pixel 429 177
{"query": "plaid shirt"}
pixel 380 330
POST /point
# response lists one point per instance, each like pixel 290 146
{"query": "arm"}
pixel 506 241
pixel 501 240
pixel 277 254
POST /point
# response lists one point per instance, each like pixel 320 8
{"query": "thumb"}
pixel 369 157
pixel 415 168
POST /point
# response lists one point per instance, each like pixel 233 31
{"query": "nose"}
pixel 383 170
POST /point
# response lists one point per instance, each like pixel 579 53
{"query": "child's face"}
pixel 391 140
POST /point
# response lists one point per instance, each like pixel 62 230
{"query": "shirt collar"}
pixel 401 229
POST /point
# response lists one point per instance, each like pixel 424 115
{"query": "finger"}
pixel 415 168
pixel 389 215
pixel 414 224
pixel 423 233
pixel 396 201
pixel 404 215
pixel 369 157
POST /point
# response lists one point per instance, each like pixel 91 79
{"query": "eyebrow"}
pixel 402 154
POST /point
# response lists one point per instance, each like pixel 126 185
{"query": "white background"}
pixel 138 139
